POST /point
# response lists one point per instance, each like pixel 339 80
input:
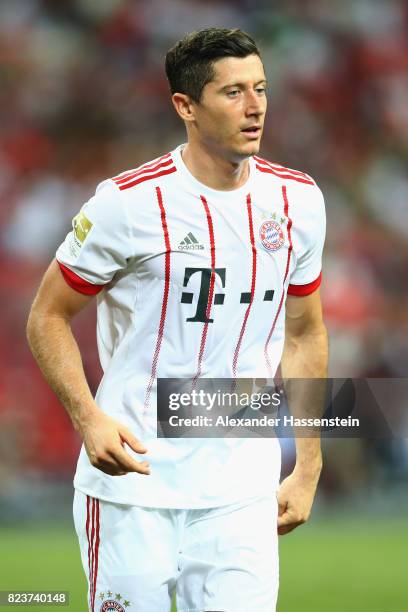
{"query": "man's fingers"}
pixel 118 462
pixel 289 518
pixel 128 464
pixel 131 440
pixel 111 469
pixel 285 519
pixel 105 444
pixel 286 524
pixel 289 521
pixel 286 529
pixel 107 465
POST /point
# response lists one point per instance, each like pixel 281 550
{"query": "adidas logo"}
pixel 190 243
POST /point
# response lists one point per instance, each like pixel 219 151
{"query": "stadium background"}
pixel 82 97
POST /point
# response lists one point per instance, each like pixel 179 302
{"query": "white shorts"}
pixel 221 559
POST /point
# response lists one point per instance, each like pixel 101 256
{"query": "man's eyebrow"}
pixel 242 84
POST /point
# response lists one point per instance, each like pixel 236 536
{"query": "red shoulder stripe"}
pixel 150 177
pixel 126 179
pixel 275 166
pixel 285 175
pixel 149 165
pixel 280 168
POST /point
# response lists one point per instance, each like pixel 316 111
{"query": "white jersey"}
pixel 191 283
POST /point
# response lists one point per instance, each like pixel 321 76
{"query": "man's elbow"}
pixel 32 326
pixel 37 324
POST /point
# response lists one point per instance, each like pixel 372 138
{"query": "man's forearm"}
pixel 305 358
pixel 106 440
pixel 55 349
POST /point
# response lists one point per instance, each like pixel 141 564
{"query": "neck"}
pixel 213 170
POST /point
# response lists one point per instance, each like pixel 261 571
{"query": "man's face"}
pixel 230 116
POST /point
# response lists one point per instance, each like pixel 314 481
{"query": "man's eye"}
pixel 260 90
pixel 233 93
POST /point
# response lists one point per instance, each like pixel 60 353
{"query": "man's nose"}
pixel 254 103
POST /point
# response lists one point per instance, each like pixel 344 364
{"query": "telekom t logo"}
pixel 204 294
pixel 187 297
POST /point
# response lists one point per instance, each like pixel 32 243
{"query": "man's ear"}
pixel 184 106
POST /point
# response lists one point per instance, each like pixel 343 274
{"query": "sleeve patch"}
pixel 82 226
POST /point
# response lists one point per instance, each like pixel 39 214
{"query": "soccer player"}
pixel 206 262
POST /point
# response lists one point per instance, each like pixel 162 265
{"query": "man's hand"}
pixel 295 499
pixel 104 439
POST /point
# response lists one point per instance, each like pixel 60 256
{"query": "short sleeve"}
pixel 307 274
pixel 99 244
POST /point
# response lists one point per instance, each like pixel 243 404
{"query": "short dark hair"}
pixel 190 62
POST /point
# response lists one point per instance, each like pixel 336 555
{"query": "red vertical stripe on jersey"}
pixel 96 551
pixel 165 297
pixel 253 281
pixel 211 291
pixel 290 248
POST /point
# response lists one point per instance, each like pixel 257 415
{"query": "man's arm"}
pixel 54 347
pixel 305 355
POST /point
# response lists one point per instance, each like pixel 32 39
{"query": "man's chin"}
pixel 254 147
pixel 248 149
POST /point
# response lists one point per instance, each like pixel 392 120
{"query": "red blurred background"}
pixel 84 96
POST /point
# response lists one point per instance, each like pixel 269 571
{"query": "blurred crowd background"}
pixel 83 96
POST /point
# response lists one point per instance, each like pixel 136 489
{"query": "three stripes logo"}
pixel 190 243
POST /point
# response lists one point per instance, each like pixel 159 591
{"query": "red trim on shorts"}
pixel 96 551
pixel 76 282
pixel 165 296
pixel 289 227
pixel 211 291
pixel 301 290
pixel 253 281
pixel 91 552
pixel 88 536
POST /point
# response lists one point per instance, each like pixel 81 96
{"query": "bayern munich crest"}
pixel 110 605
pixel 271 235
